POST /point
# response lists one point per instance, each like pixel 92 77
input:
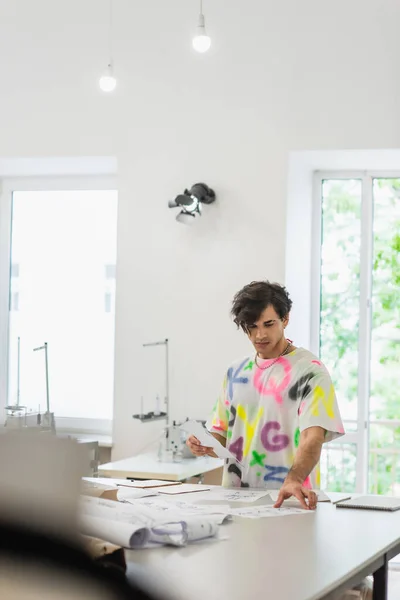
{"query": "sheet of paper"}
pixel 190 509
pixel 106 483
pixel 154 503
pixel 115 522
pixel 126 535
pixel 259 512
pixel 125 494
pixel 171 534
pixel 163 510
pixel 239 495
pixel 220 513
pixel 148 483
pixel 199 528
pixel 322 497
pixel 101 481
pixel 185 488
pixel 181 533
pixel 91 487
pixel 118 511
pixel 206 439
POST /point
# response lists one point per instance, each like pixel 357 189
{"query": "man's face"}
pixel 267 332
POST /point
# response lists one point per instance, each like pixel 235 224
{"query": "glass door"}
pixel 339 320
pixel 359 327
pixel 384 404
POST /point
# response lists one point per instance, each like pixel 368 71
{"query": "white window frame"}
pixel 361 436
pixel 33 184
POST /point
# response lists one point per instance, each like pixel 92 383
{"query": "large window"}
pixel 61 288
pixel 358 238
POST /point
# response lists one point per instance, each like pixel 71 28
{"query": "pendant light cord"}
pixel 110 28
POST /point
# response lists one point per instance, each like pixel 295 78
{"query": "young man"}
pixel 277 407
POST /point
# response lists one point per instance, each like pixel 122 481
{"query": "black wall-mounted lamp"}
pixel 190 202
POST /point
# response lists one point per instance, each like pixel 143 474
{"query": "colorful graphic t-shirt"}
pixel 262 411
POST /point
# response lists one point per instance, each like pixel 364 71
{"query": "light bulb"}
pixel 107 82
pixel 201 41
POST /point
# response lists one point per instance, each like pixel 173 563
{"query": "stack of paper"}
pixel 110 490
pixel 148 522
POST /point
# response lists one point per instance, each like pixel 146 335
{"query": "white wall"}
pixel 280 77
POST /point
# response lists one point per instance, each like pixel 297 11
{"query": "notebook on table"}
pixel 387 503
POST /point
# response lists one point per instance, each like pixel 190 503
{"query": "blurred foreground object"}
pixel 41 552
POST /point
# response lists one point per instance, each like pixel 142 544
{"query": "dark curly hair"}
pixel 253 299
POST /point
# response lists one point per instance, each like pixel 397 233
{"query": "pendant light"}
pixel 107 81
pixel 201 41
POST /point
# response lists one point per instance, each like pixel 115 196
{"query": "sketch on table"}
pixel 258 512
pixel 239 495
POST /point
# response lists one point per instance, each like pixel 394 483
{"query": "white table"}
pixel 308 557
pixel 147 466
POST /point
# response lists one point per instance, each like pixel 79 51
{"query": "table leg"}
pixel 381 582
pixel 97 459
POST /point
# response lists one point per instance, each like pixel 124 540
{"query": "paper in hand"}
pixel 207 439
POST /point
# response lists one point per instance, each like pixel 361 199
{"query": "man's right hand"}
pixel 196 448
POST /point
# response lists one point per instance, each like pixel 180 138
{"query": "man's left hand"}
pixel 297 490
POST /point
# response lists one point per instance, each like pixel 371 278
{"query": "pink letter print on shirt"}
pixel 272 388
pixel 276 442
pixel 237 448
